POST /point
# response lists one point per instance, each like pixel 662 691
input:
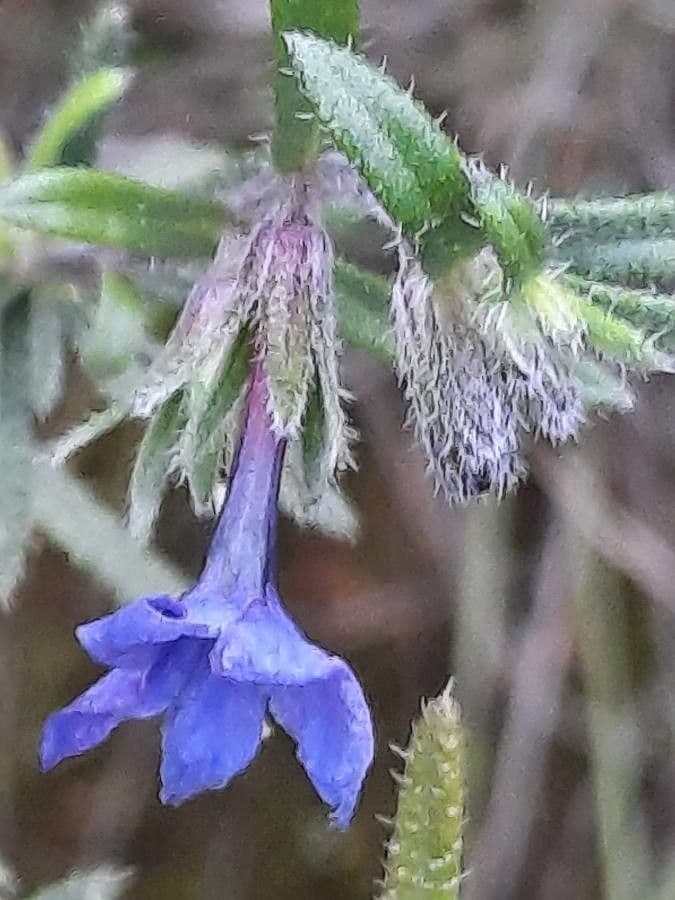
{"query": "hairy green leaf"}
pixel 418 175
pixel 103 208
pixel 152 466
pixel 424 853
pixel 633 262
pixel 617 338
pixel 511 223
pixel 649 310
pixel 637 215
pixel 83 102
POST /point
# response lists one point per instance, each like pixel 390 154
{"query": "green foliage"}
pixel 47 351
pixel 416 173
pixel 16 442
pixel 103 208
pixel 632 262
pixel 363 309
pixel 152 466
pixel 648 310
pixel 205 437
pixel 296 137
pixel 116 334
pixel 636 216
pixel 511 224
pixel 73 518
pixel 450 206
pixel 83 102
pixel 424 853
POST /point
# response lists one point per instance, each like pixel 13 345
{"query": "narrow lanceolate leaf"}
pixel 424 853
pixel 634 262
pixel 296 135
pixel 98 424
pixel 46 355
pixel 103 208
pixel 116 335
pixel 511 224
pixel 362 300
pixel 206 438
pixel 152 466
pixel 96 540
pixel 637 215
pixel 416 173
pixel 287 362
pixel 105 43
pixel 648 310
pixel 106 37
pixel 616 338
pixel 84 101
pixel 16 447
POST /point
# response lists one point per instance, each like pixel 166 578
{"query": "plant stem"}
pixel 296 138
pixel 604 646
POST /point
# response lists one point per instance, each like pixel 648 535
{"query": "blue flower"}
pixel 217 660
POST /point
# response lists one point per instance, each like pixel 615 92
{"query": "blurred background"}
pixel 554 610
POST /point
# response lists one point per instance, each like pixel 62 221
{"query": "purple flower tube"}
pixel 215 661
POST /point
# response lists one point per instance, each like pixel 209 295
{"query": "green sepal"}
pixel 362 300
pixel 104 208
pixel 202 450
pixel 94 427
pixel 153 465
pixel 313 434
pixel 601 388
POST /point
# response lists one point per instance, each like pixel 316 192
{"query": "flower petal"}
pixel 211 734
pixel 121 694
pixel 330 722
pixel 128 637
pixel 265 646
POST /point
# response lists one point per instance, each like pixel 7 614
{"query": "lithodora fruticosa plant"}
pixel 510 318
